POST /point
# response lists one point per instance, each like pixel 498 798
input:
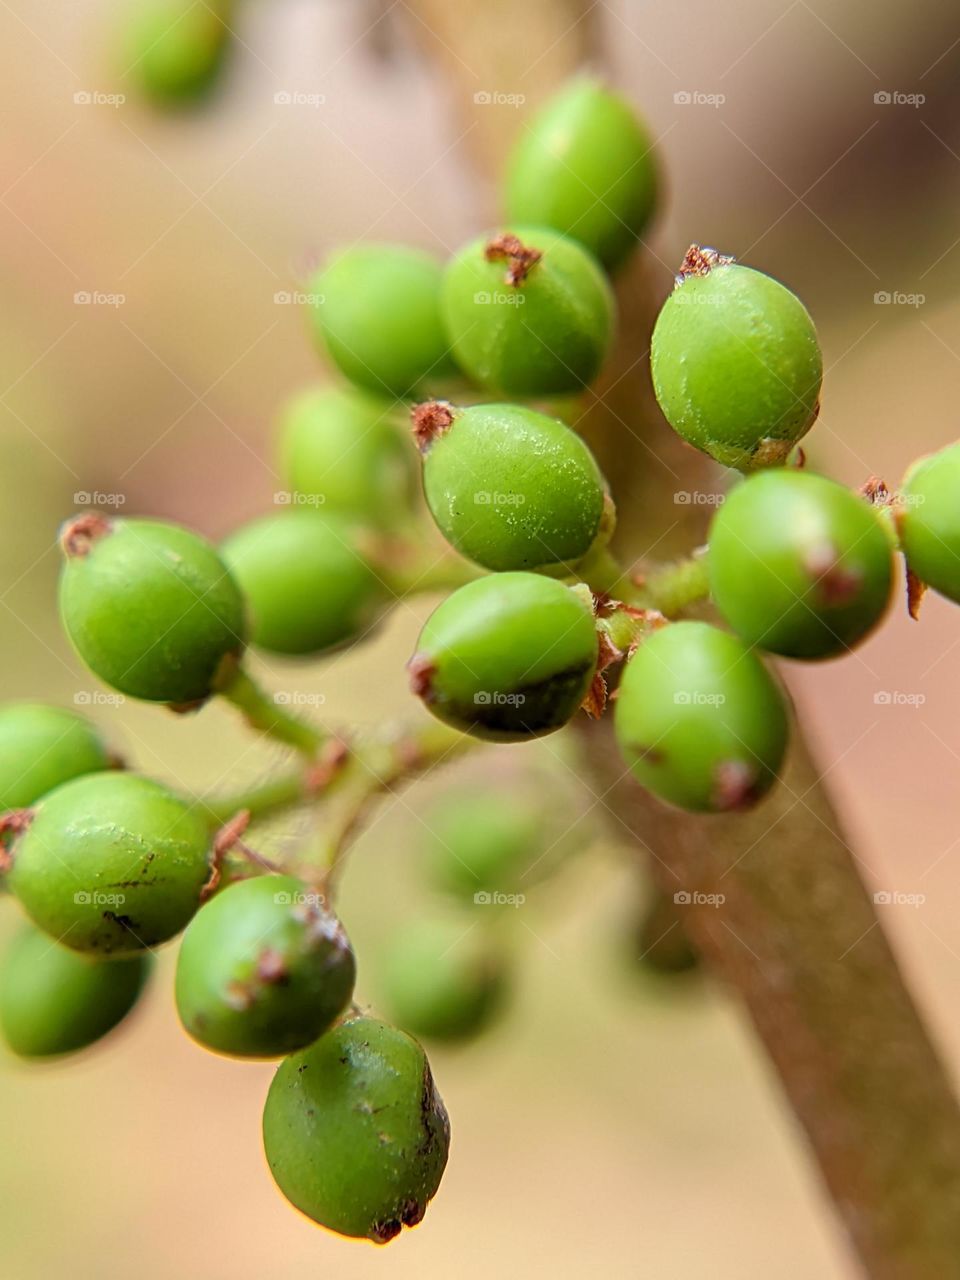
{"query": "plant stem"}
pixel 285 791
pixel 674 587
pixel 264 715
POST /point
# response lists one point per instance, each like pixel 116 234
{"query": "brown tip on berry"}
pixel 78 536
pixel 875 491
pixel 12 824
pixel 271 966
pixel 916 590
pixel 834 583
pixel 734 786
pixel 770 453
pixel 595 701
pixel 519 258
pixel 699 260
pixel 422 669
pixel 431 419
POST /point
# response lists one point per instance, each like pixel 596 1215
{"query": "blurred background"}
pixel 148 331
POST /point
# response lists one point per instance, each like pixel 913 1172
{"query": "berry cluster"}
pixel 543 620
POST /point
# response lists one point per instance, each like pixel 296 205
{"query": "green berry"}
pixel 40 747
pixel 110 863
pixel 442 980
pixel 799 565
pixel 585 167
pixel 699 719
pixel 928 520
pixel 55 1001
pixel 485 838
pixel 307 584
pixel 377 314
pixel 355 1132
pixel 263 969
pixel 341 449
pixel 736 363
pixel 150 607
pixel 177 49
pixel 508 657
pixel 528 312
pixel 509 487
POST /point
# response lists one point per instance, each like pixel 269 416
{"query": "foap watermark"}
pixel 486 498
pixel 897 698
pixel 488 698
pixel 98 698
pixel 695 898
pixel 696 698
pixel 494 898
pixel 97 899
pixel 697 98
pixel 697 498
pixel 497 299
pixel 96 298
pixel 96 98
pixel 897 98
pixel 297 98
pixel 299 699
pixel 895 898
pixel 897 298
pixel 497 98
pixel 94 498
pixel 291 498
pixel 298 898
pixel 294 298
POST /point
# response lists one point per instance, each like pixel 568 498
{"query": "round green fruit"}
pixel 377 314
pixel 54 1001
pixel 585 166
pixel 508 657
pixel 177 49
pixel 485 839
pixel 41 747
pixel 799 565
pixel 736 363
pixel 528 312
pixel 263 969
pixel 509 487
pixel 928 520
pixel 110 863
pixel 308 587
pixel 150 607
pixel 355 1132
pixel 341 449
pixel 699 719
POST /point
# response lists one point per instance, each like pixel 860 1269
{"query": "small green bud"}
pixel 176 49
pixel 928 520
pixel 41 747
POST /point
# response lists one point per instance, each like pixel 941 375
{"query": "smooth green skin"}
pixel 513 489
pixel 442 982
pixel 110 864
pixel 585 167
pixel 309 589
pixel 53 1001
pixel 341 446
pixel 677 744
pixel 799 565
pixel 41 747
pixel 263 969
pixel 152 611
pixel 509 657
pixel 177 49
pixel 484 838
pixel 379 320
pixel 736 366
pixel 555 340
pixel 928 520
pixel 355 1132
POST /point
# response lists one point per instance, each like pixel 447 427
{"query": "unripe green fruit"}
pixel 40 747
pixel 176 49
pixel 485 839
pixel 54 1001
pixel 110 863
pixel 528 312
pixel 442 981
pixel 307 585
pixel 377 314
pixel 263 969
pixel 509 487
pixel 699 719
pixel 736 363
pixel 928 520
pixel 340 447
pixel 355 1132
pixel 149 607
pixel 799 565
pixel 585 167
pixel 508 657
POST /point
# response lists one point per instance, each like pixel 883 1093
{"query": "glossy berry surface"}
pixel 377 314
pixel 528 312
pixel 342 449
pixel 486 838
pixel 307 584
pixel 54 1001
pixel 355 1132
pixel 41 747
pixel 928 520
pixel 110 864
pixel 508 657
pixel 263 969
pixel 177 49
pixel 585 167
pixel 799 565
pixel 509 487
pixel 150 607
pixel 699 720
pixel 736 363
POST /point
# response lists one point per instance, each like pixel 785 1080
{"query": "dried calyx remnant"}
pixel 431 419
pixel 79 535
pixel 699 260
pixel 519 258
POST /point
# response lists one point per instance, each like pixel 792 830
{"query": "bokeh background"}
pixel 611 1126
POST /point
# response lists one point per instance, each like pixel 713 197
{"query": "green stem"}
pixel 285 791
pixel 676 586
pixel 265 716
pixel 423 573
